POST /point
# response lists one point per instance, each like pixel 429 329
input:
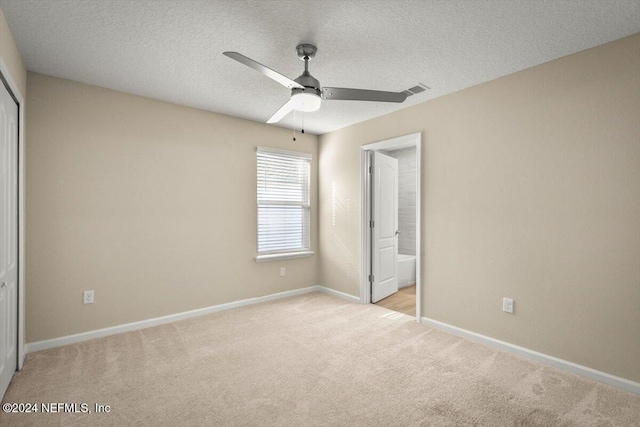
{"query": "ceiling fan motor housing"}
pixel 306 99
pixel 308 81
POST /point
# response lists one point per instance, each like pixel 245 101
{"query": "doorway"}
pixel 390 224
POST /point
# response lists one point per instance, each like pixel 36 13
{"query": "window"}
pixel 283 204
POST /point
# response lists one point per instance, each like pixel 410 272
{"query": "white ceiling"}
pixel 172 50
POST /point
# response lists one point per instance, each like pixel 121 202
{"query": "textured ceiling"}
pixel 172 50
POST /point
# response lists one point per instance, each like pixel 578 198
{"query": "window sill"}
pixel 284 255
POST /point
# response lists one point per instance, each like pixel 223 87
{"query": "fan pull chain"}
pixel 302 126
pixel 294 125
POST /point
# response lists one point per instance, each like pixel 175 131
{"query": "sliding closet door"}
pixel 8 237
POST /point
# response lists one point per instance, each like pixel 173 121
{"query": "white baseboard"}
pixel 338 294
pixel 127 327
pixel 565 365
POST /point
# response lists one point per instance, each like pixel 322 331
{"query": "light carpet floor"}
pixel 311 360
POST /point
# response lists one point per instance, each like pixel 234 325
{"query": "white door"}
pixel 8 237
pixel 385 227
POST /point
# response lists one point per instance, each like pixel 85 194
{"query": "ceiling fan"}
pixel 306 92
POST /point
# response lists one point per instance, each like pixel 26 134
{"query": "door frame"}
pixel 406 141
pixel 14 91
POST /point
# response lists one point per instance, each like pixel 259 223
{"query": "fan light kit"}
pixel 306 102
pixel 306 92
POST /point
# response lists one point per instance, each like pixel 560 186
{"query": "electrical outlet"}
pixel 282 271
pixel 87 297
pixel 507 305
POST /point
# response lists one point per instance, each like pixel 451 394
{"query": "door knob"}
pixel 397 232
pixel 4 285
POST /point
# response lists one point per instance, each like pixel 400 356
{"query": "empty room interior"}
pixel 320 213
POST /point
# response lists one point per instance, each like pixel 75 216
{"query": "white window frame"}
pixel 289 253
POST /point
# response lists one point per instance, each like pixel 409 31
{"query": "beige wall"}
pixel 530 190
pixel 150 204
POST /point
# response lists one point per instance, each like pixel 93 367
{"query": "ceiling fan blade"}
pixel 282 112
pixel 341 93
pixel 274 75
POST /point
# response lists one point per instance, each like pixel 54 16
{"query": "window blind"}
pixel 283 201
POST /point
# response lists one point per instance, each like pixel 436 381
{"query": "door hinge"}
pixel 371 224
pixel 370 169
pixel 371 278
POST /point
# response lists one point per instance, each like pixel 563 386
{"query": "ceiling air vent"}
pixel 416 89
